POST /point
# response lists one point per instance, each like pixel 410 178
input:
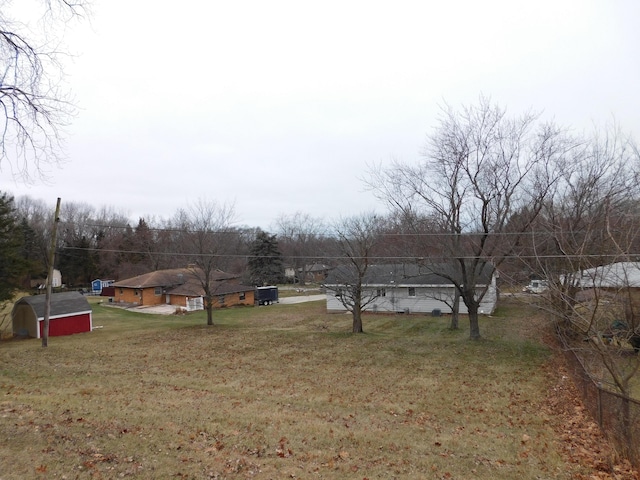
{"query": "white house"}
pixel 41 283
pixel 408 289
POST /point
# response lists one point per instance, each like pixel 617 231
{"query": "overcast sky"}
pixel 279 106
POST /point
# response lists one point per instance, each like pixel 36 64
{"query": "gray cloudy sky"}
pixel 279 106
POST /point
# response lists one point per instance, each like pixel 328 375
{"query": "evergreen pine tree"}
pixel 13 265
pixel 78 262
pixel 265 262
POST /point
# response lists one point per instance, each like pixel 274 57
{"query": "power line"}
pixel 413 258
pixel 240 232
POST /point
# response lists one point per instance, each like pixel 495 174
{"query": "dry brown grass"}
pixel 278 392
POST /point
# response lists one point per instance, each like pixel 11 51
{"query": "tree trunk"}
pixel 303 275
pixel 357 321
pixel 52 259
pixel 209 308
pixel 455 311
pixel 474 325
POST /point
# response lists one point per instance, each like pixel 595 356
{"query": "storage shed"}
pixel 70 313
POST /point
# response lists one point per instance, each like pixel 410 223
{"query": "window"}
pixel 221 299
pixel 158 291
pixel 241 296
pixel 412 291
pixel 381 292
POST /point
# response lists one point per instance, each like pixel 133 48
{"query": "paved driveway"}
pixel 155 309
pixel 171 309
pixel 302 299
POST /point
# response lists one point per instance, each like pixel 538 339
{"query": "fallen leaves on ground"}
pixel 582 443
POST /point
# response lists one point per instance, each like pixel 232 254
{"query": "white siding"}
pixel 195 303
pixel 427 300
pixel 490 299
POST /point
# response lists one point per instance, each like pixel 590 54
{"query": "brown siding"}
pixel 147 296
pixel 233 299
pixel 178 300
pixel 108 292
pixel 230 300
pixel 138 296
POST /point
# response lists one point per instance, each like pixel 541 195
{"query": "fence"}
pixel 617 415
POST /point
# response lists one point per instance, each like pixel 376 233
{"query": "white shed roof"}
pixel 614 275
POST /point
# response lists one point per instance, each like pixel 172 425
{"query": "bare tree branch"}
pixel 480 167
pixel 33 105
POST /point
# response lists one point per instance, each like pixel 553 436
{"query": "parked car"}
pixel 536 286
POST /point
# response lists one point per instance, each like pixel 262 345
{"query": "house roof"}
pixel 169 278
pixel 403 275
pixel 614 275
pixel 185 281
pixel 316 267
pixel 193 288
pixel 61 304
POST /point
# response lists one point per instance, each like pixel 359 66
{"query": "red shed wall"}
pixel 67 325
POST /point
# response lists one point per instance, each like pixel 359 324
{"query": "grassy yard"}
pixel 278 392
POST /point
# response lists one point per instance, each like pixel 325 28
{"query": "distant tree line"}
pixel 491 191
pixel 99 242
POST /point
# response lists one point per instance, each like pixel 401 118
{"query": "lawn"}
pixel 279 392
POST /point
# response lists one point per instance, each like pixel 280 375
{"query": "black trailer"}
pixel 266 295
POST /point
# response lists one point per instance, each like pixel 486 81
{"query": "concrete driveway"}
pixel 171 309
pixel 155 309
pixel 302 299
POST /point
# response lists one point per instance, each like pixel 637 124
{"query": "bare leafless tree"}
pixel 37 215
pixel 479 167
pixel 586 246
pixel 109 230
pixel 356 239
pixel 299 237
pixel 204 239
pixel 33 104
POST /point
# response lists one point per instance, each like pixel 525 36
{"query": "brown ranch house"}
pixel 181 287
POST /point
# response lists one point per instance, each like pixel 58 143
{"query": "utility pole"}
pixel 52 257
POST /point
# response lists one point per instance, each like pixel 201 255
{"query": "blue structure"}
pixel 97 285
